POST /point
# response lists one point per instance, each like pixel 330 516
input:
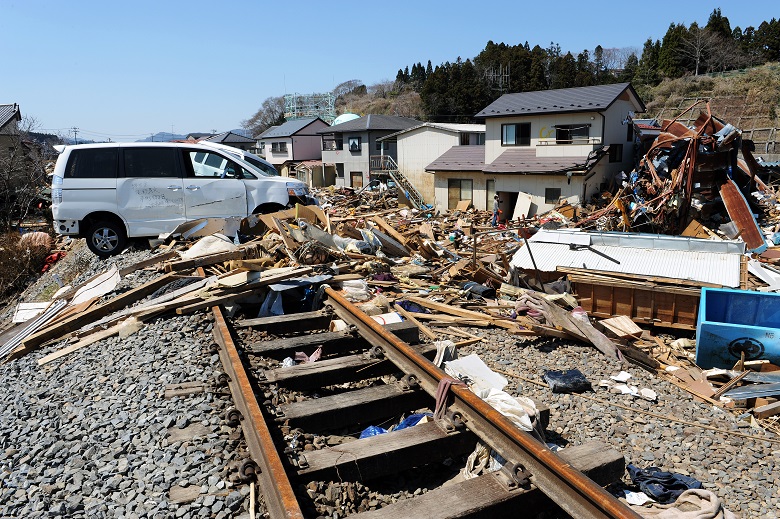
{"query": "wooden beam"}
pixel 365 459
pixel 289 323
pixel 77 321
pixel 362 406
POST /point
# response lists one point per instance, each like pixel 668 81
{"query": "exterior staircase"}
pixel 389 166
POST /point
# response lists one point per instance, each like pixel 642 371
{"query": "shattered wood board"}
pixel 675 308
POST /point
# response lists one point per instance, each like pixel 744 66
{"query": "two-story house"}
pixel 232 139
pixel 292 142
pixel 542 147
pixel 355 149
pixel 419 145
pixel 10 116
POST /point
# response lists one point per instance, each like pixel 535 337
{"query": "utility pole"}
pixel 75 135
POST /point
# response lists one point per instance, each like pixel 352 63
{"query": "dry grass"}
pixel 19 264
pixel 748 99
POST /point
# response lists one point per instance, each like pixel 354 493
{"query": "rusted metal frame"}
pixel 574 492
pixel 277 489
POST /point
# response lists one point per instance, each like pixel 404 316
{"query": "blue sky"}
pixel 125 70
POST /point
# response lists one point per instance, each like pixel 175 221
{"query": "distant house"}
pixel 291 143
pixel 421 144
pixel 10 116
pixel 540 148
pixel 198 136
pixel 232 139
pixel 354 146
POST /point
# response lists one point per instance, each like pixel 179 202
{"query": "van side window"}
pixel 213 165
pixel 150 162
pixel 92 163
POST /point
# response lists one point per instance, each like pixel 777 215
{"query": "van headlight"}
pixel 296 189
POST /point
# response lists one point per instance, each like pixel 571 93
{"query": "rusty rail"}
pixel 575 493
pixel 272 477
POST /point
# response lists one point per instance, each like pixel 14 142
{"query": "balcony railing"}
pixel 559 142
pixel 381 163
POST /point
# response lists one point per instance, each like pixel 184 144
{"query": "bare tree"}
pixel 614 59
pixel 697 46
pixel 271 113
pixel 22 175
pixel 347 87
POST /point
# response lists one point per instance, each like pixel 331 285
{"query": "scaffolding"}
pixel 299 106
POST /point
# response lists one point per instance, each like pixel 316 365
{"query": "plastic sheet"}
pixel 567 381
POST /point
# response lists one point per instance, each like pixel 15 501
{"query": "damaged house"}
pixel 542 147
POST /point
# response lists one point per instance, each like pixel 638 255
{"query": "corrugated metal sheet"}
pixel 645 255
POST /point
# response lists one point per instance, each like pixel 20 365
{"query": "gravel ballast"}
pixel 91 434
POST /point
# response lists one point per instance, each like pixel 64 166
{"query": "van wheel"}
pixel 106 238
pixel 268 208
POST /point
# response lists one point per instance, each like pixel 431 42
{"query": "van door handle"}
pixel 193 188
pixel 174 188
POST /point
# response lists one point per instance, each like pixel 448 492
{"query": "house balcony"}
pixel 381 163
pixel 568 148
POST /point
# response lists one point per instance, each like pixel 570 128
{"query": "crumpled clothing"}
pixel 692 504
pixel 664 487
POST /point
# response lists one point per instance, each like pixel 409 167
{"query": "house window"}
pixel 354 144
pixel 458 189
pixel 629 132
pixel 616 153
pixel 572 133
pixel 386 144
pixel 516 134
pixel 332 143
pixel 278 147
pixel 552 195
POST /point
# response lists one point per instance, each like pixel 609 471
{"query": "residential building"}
pixel 355 149
pixel 232 139
pixel 541 148
pixel 291 143
pixel 10 116
pixel 420 145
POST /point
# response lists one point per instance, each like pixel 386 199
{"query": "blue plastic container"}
pixel 733 321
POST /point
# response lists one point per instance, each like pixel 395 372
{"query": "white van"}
pixel 108 193
pixel 259 162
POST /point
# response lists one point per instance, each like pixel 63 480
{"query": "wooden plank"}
pixel 765 411
pixel 336 371
pixel 368 458
pixel 460 312
pixel 362 406
pixel 184 389
pixel 331 342
pixel 490 496
pixel 92 339
pixel 408 315
pixel 77 321
pixel 203 261
pixel 288 323
pixel 389 229
pixel 154 260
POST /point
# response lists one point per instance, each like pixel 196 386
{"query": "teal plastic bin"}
pixel 734 321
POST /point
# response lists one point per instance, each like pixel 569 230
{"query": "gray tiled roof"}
pixel 287 129
pixel 229 137
pixel 9 112
pixel 524 160
pixel 373 122
pixel 581 99
pixel 460 158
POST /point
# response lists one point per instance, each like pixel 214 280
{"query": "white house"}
pixel 541 147
pixel 419 145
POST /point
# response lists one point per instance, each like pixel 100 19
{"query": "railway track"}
pixel 367 375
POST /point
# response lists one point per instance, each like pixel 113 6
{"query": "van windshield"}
pixel 263 167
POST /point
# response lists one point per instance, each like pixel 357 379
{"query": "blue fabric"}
pixel 411 421
pixel 372 430
pixel 664 487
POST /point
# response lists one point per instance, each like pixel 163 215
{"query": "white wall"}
pixel 417 149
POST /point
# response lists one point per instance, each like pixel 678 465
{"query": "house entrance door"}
pixel 356 178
